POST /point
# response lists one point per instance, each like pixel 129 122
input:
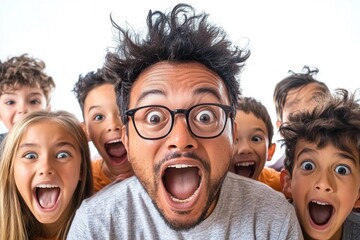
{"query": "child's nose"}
pixel 45 167
pixel 22 109
pixel 324 183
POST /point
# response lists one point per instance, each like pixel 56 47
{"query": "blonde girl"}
pixel 45 173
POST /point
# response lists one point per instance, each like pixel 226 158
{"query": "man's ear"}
pixel 285 181
pixel 271 151
pixel 83 126
pixel 357 203
pixel 234 131
pixel 48 107
pixel 125 138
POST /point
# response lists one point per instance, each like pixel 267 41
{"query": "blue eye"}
pixel 307 166
pixel 62 155
pixel 30 155
pixel 343 170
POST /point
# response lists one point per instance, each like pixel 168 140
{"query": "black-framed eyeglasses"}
pixel 206 120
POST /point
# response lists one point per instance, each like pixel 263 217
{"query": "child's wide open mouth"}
pixel 47 195
pixel 246 169
pixel 320 212
pixel 116 151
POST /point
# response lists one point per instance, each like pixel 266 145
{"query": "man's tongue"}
pixel 181 183
pixel 47 196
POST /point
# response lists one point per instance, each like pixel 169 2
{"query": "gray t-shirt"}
pixel 351 227
pixel 246 209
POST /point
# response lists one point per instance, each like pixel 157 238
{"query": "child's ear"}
pixel 278 123
pixel 285 181
pixel 271 151
pixel 83 126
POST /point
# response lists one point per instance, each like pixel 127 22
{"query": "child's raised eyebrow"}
pixel 59 144
pixel 65 143
pixel 94 107
pixel 349 156
pixel 35 94
pixel 28 145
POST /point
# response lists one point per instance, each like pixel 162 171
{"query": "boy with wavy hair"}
pixel 103 126
pixel 24 87
pixel 322 164
pixel 253 145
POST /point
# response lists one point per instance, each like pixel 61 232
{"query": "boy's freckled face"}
pixel 16 102
pixel 104 127
pixel 251 148
pixel 325 185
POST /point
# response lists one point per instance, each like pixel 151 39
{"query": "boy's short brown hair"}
pixel 89 81
pixel 252 105
pixel 25 70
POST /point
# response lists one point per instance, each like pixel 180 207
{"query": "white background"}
pixel 72 37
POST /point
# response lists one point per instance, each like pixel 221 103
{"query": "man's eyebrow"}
pixel 198 91
pixel 213 91
pixel 149 92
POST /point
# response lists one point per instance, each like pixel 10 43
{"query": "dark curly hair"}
pixel 180 36
pixel 25 70
pixel 252 105
pixel 90 81
pixel 336 121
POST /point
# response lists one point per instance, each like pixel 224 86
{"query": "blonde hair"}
pixel 16 220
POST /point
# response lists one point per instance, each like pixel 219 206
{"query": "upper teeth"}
pixel 47 186
pixel 245 164
pixel 320 203
pixel 180 166
pixel 115 141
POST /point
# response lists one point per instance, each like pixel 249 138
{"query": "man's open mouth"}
pixel 320 212
pixel 246 169
pixel 47 195
pixel 182 182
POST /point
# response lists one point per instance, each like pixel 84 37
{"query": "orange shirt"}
pixel 271 177
pixel 100 178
